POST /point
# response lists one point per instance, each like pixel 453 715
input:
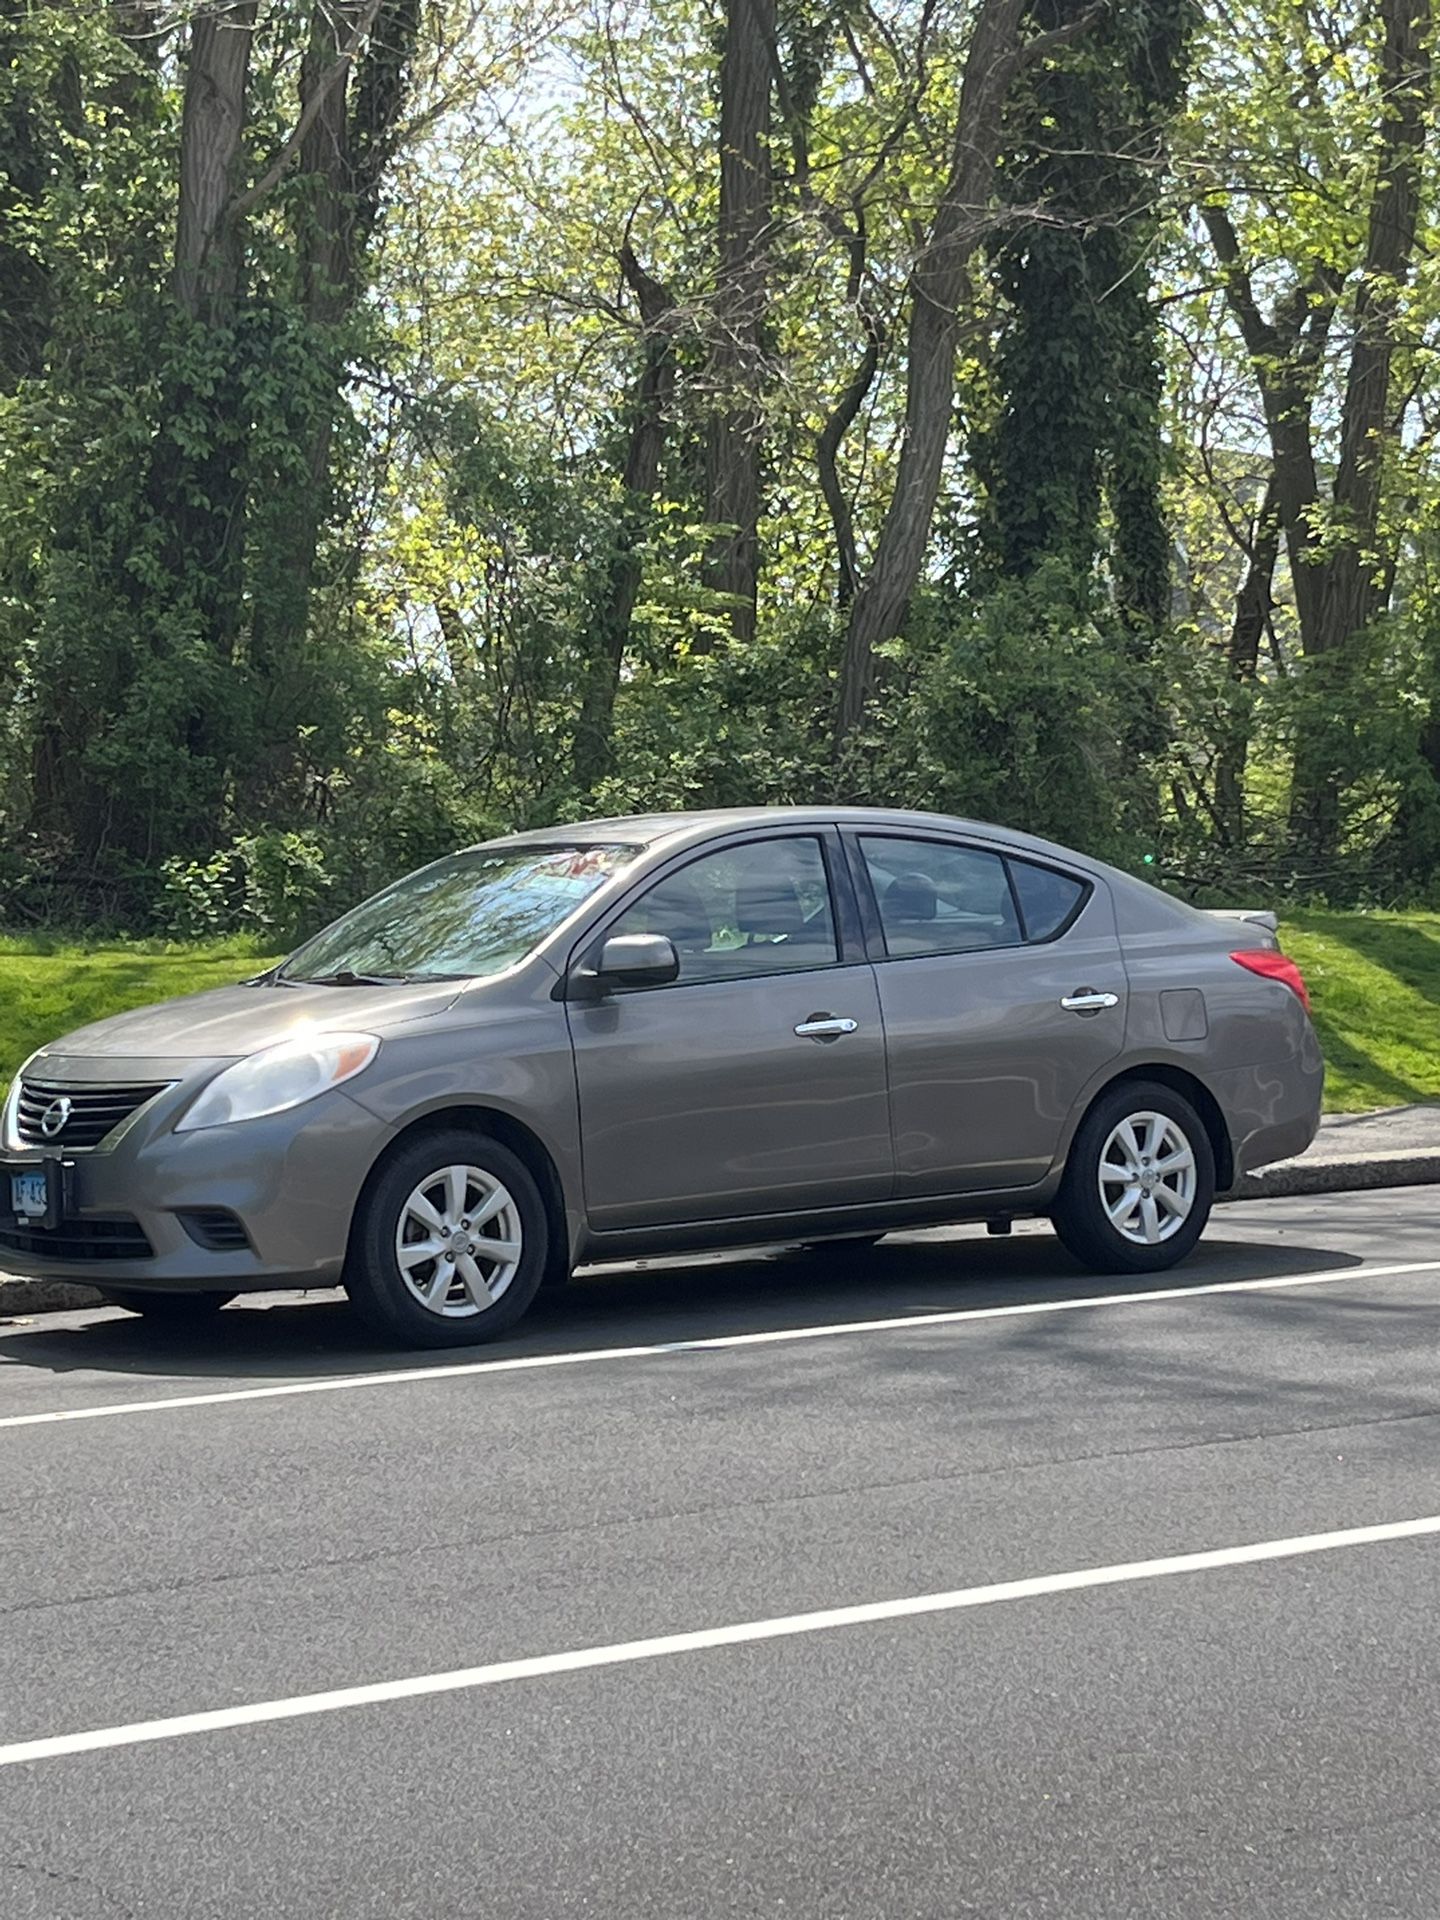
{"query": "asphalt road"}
pixel 225 1524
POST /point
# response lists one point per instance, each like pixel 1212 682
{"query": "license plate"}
pixel 30 1195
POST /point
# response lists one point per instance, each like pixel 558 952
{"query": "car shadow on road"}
pixel 1327 1360
pixel 647 1303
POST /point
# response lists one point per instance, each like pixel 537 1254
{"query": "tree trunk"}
pixel 1354 577
pixel 1253 607
pixel 827 456
pixel 735 431
pixel 197 481
pixel 207 241
pixel 1353 586
pixel 350 110
pixel 938 290
pixel 1284 353
pixel 323 275
pixel 615 604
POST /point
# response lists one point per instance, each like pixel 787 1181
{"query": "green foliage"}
pixel 1015 707
pixel 163 525
pixel 299 594
pixel 270 885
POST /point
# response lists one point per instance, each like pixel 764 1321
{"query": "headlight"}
pixel 280 1077
pixel 9 1128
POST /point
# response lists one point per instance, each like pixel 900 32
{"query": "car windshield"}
pixel 470 915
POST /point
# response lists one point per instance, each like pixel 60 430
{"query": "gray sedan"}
pixel 650 1035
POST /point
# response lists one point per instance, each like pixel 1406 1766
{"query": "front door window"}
pixel 756 909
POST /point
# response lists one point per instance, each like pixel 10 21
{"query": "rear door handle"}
pixel 824 1026
pixel 1089 1000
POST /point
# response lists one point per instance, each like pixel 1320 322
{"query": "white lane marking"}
pixel 589 1356
pixel 464 1679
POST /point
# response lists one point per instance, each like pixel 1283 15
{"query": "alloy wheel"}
pixel 458 1241
pixel 1147 1178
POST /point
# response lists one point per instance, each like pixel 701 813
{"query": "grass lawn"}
pixel 1374 979
pixel 47 989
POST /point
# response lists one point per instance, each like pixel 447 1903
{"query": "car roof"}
pixel 1139 904
pixel 646 829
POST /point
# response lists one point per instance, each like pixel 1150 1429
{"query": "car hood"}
pixel 231 1021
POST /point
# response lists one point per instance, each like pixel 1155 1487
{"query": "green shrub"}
pixel 271 885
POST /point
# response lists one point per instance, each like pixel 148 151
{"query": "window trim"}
pixel 870 903
pixel 849 945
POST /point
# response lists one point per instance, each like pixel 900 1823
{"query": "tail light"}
pixel 1271 964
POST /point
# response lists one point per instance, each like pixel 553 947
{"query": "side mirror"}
pixel 635 960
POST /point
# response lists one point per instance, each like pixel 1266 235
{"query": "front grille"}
pixel 215 1228
pixel 116 1237
pixel 91 1113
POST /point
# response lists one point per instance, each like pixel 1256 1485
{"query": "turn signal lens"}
pixel 1271 964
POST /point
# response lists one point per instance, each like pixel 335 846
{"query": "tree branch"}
pixel 273 174
pixel 1046 43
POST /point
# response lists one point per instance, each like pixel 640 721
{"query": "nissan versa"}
pixel 649 1035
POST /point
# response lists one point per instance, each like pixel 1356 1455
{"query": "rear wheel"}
pixel 450 1242
pixel 1139 1182
pixel 178 1308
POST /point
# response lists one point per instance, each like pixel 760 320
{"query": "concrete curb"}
pixel 1286 1180
pixel 1356 1173
pixel 19 1298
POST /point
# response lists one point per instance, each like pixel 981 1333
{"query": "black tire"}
pixel 180 1309
pixel 373 1279
pixel 558 1272
pixel 1080 1216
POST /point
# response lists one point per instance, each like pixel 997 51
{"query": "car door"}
pixel 754 1083
pixel 1003 993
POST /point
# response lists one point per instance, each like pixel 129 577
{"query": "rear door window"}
pixel 939 898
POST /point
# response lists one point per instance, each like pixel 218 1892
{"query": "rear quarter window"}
pixel 1048 900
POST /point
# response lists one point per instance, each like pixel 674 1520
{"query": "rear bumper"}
pixel 1272 1112
pixel 291 1179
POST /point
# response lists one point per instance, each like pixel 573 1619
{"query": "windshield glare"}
pixel 469 915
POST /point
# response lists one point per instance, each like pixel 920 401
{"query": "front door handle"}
pixel 824 1026
pixel 1089 1000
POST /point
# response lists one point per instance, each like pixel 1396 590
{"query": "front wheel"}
pixel 1139 1183
pixel 180 1309
pixel 450 1242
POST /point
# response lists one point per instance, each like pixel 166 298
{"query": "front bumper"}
pixel 291 1179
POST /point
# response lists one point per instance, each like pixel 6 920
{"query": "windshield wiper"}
pixel 344 977
pixel 347 977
